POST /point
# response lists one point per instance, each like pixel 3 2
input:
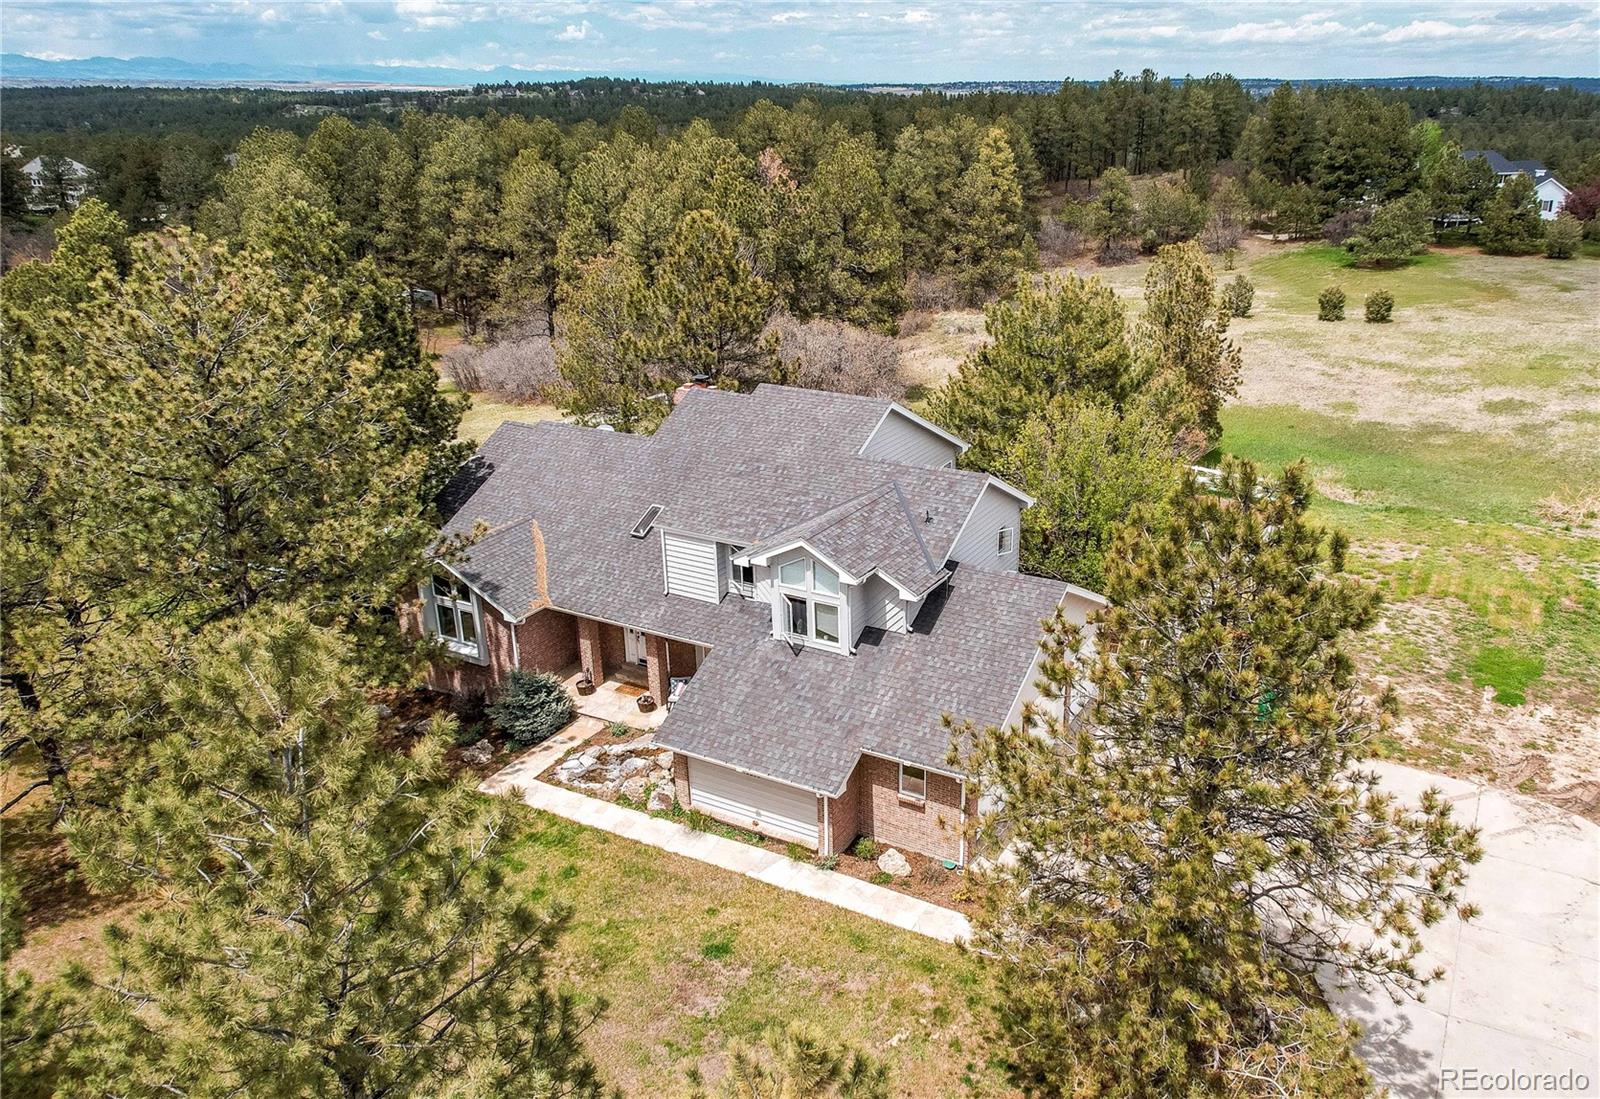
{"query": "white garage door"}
pixel 771 808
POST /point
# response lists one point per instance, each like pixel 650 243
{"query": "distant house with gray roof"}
pixel 805 577
pixel 1551 192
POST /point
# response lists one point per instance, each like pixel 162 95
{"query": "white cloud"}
pixel 378 36
pixel 577 32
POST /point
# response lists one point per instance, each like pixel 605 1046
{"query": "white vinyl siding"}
pixel 691 567
pixel 771 808
pixel 855 598
pixel 883 609
pixel 993 511
pixel 898 439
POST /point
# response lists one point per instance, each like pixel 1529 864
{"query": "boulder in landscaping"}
pixel 479 754
pixel 894 863
pixel 661 799
pixel 633 789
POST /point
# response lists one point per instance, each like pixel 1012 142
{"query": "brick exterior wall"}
pixel 548 641
pixel 463 677
pixel 844 816
pixel 681 659
pixel 655 656
pixel 615 645
pixel 680 779
pixel 591 649
pixel 931 827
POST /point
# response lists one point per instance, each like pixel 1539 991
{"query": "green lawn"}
pixel 1437 442
pixel 486 413
pixel 691 957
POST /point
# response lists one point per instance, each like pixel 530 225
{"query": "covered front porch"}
pixel 625 664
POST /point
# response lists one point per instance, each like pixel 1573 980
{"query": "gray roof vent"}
pixel 646 521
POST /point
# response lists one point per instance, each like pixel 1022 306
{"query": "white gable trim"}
pixel 766 556
pixel 956 441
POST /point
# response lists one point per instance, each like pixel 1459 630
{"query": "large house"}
pixel 1551 192
pixel 805 576
pixel 56 183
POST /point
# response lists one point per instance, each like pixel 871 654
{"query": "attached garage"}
pixel 771 808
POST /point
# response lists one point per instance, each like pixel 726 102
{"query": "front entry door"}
pixel 633 645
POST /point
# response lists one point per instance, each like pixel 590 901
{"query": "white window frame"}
pixel 469 608
pixel 914 795
pixel 1005 542
pixel 808 594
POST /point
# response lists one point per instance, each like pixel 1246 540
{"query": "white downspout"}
pixel 827 832
pixel 963 848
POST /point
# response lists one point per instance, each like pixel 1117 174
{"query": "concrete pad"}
pixel 1542 906
pixel 1408 783
pixel 1469 1048
pixel 1526 989
pixel 1530 832
pixel 1401 1043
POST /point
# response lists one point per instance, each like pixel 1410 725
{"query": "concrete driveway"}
pixel 1520 995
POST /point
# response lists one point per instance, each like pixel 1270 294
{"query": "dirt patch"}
pixel 1548 748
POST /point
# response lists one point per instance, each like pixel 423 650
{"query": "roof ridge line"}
pixel 911 519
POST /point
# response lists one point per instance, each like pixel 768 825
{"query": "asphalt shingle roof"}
pixel 553 506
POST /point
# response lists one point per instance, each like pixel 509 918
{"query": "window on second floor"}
pixel 913 782
pixel 814 612
pixel 451 614
pixel 809 575
pixel 1005 542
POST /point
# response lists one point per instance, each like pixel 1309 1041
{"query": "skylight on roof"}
pixel 646 521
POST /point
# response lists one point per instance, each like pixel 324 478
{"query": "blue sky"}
pixel 859 40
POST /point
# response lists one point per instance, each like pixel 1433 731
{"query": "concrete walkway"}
pixel 1520 992
pixel 839 890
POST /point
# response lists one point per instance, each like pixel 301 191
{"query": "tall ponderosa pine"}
pixel 1062 337
pixel 527 232
pixel 710 307
pixel 336 919
pixel 1201 840
pixel 989 240
pixel 849 255
pixel 1183 335
pixel 607 330
pixel 220 428
pixel 1112 210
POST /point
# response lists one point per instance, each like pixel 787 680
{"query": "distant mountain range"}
pixel 22 70
pixel 1255 85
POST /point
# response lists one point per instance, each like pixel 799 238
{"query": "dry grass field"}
pixel 1459 446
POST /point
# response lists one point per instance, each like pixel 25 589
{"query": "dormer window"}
pixel 811 612
pixel 451 614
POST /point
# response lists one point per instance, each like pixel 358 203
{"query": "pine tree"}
pixel 220 428
pixel 1397 232
pixel 1114 210
pixel 709 307
pixel 922 173
pixel 989 240
pixel 1183 337
pixel 607 329
pixel 527 233
pixel 1201 840
pixel 1511 223
pixel 1063 337
pixel 336 915
pixel 599 185
pixel 850 250
pixel 797 1062
pixel 1088 466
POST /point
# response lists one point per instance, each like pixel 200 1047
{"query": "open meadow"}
pixel 1459 447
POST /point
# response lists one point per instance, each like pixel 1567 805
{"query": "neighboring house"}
pixel 806 570
pixel 1551 193
pixel 56 182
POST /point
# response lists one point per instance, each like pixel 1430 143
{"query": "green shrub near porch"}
pixel 532 707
